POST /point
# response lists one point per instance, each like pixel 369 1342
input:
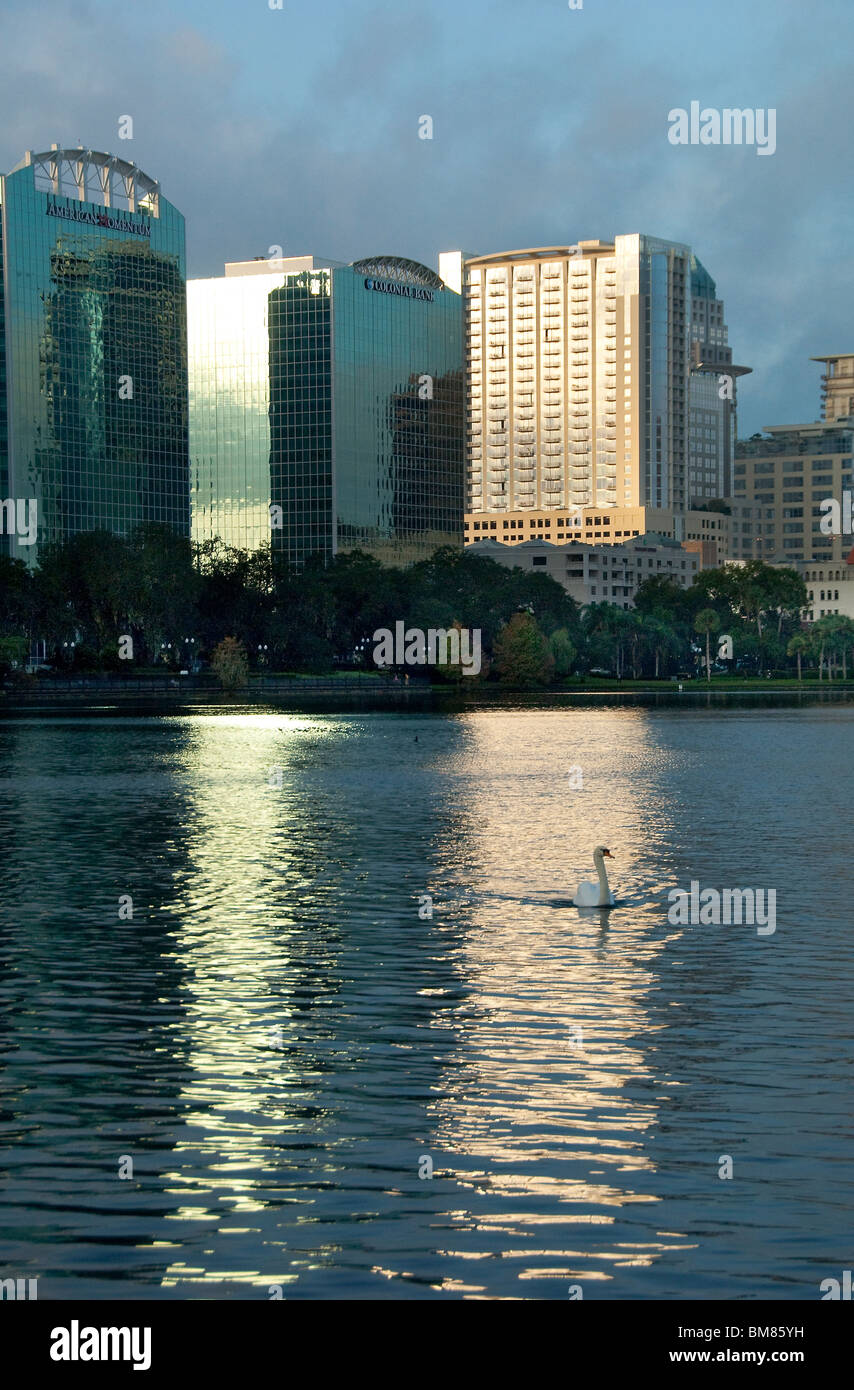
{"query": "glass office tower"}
pixel 228 349
pixel 326 408
pixel 93 407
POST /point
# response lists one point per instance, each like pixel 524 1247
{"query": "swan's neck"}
pixel 604 888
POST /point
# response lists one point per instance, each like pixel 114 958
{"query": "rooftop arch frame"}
pixel 93 176
pixel 398 268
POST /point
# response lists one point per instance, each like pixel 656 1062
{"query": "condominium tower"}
pixel 593 377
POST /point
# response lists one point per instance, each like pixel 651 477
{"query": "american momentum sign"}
pixel 98 217
pixel 392 287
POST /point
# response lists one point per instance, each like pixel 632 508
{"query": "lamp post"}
pixel 190 654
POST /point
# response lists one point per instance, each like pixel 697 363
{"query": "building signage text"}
pixel 98 217
pixel 392 287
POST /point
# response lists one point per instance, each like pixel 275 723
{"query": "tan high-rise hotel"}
pixel 593 378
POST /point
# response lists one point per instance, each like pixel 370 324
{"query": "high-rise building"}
pixel 230 353
pixel 837 386
pixel 326 408
pixel 585 367
pixel 93 353
pixel 780 483
pixel 782 478
pixel 711 393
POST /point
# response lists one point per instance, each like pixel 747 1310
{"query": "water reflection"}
pixel 557 1001
pixel 351 953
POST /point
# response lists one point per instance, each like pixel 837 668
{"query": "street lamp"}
pixel 188 658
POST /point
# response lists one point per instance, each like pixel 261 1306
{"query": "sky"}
pixel 299 127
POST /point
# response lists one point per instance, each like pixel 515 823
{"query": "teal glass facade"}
pixel 95 360
pixel 341 406
pixel 301 372
pixel 397 379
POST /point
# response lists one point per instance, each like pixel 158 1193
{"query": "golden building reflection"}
pixel 546 1097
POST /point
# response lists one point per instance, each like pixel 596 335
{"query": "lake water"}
pixel 282 1045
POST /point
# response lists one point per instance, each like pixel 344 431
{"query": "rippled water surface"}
pixel 281 1037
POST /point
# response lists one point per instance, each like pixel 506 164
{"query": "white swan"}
pixel 596 894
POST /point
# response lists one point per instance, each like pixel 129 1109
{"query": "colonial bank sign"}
pixel 99 217
pixel 392 287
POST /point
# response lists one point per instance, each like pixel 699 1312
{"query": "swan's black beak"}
pixel 607 854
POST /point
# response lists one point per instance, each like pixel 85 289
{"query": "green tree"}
pixel 662 596
pixel 787 592
pixel 13 653
pixel 822 636
pixel 230 664
pixel 707 621
pixel 838 633
pixel 17 596
pixel 364 596
pixel 85 588
pixel 607 629
pixel 661 641
pixel 522 655
pixel 563 651
pixel 162 601
pixel 846 641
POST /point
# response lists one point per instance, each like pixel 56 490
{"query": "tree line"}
pixel 174 604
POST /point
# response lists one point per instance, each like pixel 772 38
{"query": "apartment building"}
pixel 780 481
pixel 598 573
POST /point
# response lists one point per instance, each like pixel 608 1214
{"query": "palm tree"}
pixel 707 621
pixel 799 646
pixel 823 633
pixel 847 639
pixel 660 638
pixel 839 633
pixel 842 634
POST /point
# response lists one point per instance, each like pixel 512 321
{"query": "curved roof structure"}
pixel 543 253
pixel 93 176
pixel 400 269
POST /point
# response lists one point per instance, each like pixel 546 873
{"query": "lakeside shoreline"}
pixel 351 694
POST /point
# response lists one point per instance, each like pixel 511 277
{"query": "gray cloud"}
pixel 546 142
